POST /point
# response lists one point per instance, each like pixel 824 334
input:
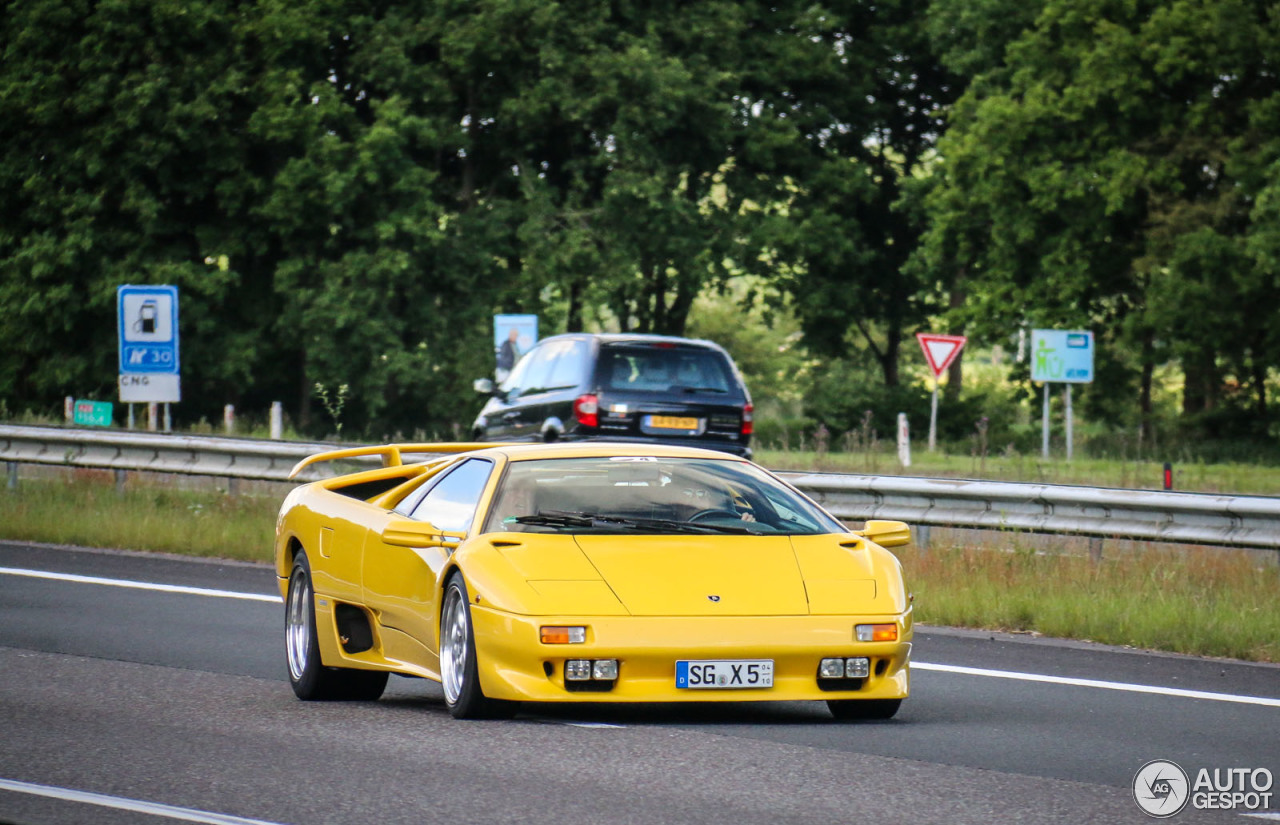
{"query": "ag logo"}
pixel 1161 788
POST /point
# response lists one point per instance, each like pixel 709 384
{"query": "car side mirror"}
pixel 886 533
pixel 484 386
pixel 407 532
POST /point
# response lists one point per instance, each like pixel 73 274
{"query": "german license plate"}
pixel 671 422
pixel 724 673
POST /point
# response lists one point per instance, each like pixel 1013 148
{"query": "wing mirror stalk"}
pixel 406 532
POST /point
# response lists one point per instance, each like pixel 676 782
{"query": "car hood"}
pixel 713 575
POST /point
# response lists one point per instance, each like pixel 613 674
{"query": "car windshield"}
pixel 651 495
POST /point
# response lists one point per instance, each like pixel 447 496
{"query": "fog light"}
pixel 606 670
pixel 876 632
pixel 560 635
pixel 857 668
pixel 831 669
pixel 577 670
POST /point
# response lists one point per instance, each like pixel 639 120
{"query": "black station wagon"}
pixel 639 388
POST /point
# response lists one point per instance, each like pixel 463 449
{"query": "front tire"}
pixel 459 674
pixel 308 676
pixel 863 709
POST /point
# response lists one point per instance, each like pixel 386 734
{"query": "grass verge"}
pixel 141 517
pixel 1206 602
pixel 1199 601
pixel 1237 479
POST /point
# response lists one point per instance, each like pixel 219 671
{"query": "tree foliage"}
pixel 346 190
pixel 1106 170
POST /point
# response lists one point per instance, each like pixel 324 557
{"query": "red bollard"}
pixel 1168 476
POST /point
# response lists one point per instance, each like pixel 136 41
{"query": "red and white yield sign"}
pixel 940 350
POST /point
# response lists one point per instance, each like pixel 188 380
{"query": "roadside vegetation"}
pixel 1207 602
pixel 1199 601
pixel 1139 474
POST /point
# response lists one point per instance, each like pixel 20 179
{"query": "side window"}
pixel 537 376
pixel 451 502
pixel 570 366
pixel 516 379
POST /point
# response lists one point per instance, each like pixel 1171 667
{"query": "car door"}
pixel 559 372
pixel 503 409
pixel 399 582
pixel 521 419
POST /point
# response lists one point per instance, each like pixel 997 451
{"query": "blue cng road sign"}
pixel 1062 356
pixel 147 319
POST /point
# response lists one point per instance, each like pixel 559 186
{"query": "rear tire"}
pixel 863 709
pixel 308 676
pixel 459 674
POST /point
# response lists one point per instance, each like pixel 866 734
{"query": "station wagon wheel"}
pixel 308 675
pixel 865 709
pixel 459 673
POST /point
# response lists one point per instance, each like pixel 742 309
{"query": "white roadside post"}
pixel 904 441
pixel 939 352
pixel 277 420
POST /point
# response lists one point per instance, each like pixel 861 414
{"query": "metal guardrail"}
pixel 234 458
pixel 1096 512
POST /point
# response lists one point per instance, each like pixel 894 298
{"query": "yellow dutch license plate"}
pixel 671 422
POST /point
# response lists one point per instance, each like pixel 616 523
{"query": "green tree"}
pixel 863 94
pixel 1106 173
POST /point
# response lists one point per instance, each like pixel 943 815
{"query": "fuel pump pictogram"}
pixel 146 322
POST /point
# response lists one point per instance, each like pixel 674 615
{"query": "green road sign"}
pixel 92 413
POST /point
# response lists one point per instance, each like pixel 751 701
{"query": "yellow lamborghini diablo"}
pixel 586 573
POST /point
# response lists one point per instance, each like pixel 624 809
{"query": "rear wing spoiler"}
pixel 392 454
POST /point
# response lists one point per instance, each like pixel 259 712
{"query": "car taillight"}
pixel 748 422
pixel 587 410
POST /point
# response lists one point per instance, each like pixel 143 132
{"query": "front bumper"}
pixel 514 664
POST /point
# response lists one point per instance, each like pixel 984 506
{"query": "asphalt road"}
pixel 172 705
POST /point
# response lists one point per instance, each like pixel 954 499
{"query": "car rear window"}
pixel 665 369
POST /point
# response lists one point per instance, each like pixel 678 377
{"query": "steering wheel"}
pixel 714 512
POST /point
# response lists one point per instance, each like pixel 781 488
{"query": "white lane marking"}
pixel 1094 683
pixel 132 805
pixel 602 725
pixel 164 588
pixel 1275 816
pixel 965 671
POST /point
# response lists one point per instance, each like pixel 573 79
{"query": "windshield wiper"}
pixel 553 518
pixel 699 389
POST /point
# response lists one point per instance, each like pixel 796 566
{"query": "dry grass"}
pixel 164 519
pixel 1200 601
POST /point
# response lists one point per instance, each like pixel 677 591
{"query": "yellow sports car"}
pixel 586 573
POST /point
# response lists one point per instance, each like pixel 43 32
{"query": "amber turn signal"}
pixel 876 632
pixel 561 635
